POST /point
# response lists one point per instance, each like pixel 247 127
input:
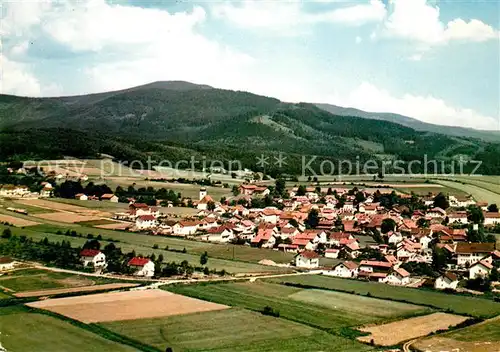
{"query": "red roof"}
pixel 107 196
pixel 89 252
pixel 138 205
pixel 376 263
pixel 147 217
pixel 136 261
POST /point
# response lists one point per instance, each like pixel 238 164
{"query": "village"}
pixel 401 240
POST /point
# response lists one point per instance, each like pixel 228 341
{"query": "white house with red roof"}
pixel 307 259
pixel 399 277
pixel 203 202
pixel 491 219
pixel 142 266
pixel 109 197
pixel 144 222
pixel 93 257
pixel 459 217
pixel 220 234
pixel 344 269
pixel 480 269
pixel 446 281
pixel 371 266
pixel 185 227
pixel 469 253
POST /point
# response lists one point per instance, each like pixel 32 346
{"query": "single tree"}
pixel 441 201
pixel 313 218
pixel 493 208
pixel 204 258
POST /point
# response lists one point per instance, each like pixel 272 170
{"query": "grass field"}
pixel 131 241
pixel 33 332
pixel 482 337
pixel 479 193
pixel 459 304
pixel 315 308
pixel 34 280
pixel 231 330
pixel 92 204
pixel 186 190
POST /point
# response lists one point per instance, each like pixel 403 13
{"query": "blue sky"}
pixel 437 61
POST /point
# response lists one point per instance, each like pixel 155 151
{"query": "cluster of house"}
pixel 341 233
pixel 21 191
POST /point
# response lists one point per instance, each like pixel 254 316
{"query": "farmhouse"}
pixel 345 269
pixel 185 228
pixel 145 222
pixel 480 269
pixel 469 253
pixel 436 213
pixel 458 217
pixel 109 197
pixel 142 267
pixel 46 191
pixel 220 234
pixel 6 263
pixel 446 281
pixel 307 259
pixel 93 257
pixel 81 196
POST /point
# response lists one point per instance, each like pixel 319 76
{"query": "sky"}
pixel 434 60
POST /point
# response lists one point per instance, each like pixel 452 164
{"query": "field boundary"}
pixel 448 310
pixel 98 330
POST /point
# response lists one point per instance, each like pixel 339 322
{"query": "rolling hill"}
pixel 177 120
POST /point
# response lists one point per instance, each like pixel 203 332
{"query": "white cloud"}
pixel 131 45
pixel 429 109
pixel 284 17
pixel 17 79
pixel 358 39
pixel 420 21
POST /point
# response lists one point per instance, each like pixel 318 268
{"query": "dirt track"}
pixel 125 305
pixel 58 291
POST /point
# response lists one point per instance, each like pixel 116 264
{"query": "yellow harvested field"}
pixel 440 344
pixel 403 330
pixel 17 221
pixel 58 291
pixel 66 217
pixel 128 305
pixel 116 226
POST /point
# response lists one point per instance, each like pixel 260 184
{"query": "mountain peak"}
pixel 172 85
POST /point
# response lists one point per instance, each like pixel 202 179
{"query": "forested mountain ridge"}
pixel 491 136
pixel 176 120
